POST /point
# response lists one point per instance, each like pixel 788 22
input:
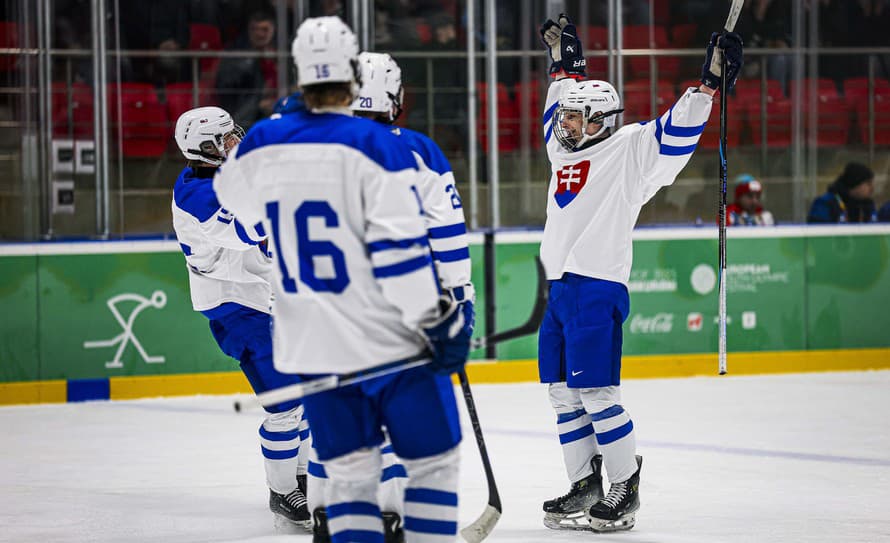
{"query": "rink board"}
pixel 98 320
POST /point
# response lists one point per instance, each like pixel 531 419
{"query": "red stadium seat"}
pixel 710 138
pixel 142 123
pixel 650 37
pixel 535 111
pixel 824 87
pixel 682 35
pixel 72 110
pixel 778 122
pixel 856 88
pixel 881 120
pixel 180 99
pixel 596 39
pixel 508 118
pixel 9 39
pixel 204 37
pixel 747 90
pixel 833 126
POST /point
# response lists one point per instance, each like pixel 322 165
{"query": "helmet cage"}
pixel 573 142
pixel 215 150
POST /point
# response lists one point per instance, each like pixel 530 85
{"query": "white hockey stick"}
pixel 719 61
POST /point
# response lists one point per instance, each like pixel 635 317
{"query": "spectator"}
pixel 747 209
pixel 849 198
pixel 884 213
pixel 161 25
pixel 247 87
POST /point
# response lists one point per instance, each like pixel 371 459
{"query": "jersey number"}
pixel 365 102
pixel 308 250
pixel 455 197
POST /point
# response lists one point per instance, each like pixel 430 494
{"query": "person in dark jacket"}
pixel 849 198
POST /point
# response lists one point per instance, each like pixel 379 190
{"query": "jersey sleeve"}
pixel 447 229
pixel 234 189
pixel 216 225
pixel 666 144
pixel 554 91
pixel 398 246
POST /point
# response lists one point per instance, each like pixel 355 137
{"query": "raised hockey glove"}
pixel 731 45
pixel 449 336
pixel 565 48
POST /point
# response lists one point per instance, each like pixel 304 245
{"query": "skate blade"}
pixel 287 526
pixel 571 521
pixel 622 524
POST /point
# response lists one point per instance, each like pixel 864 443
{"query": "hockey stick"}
pixel 482 526
pixel 734 11
pixel 531 325
pixel 330 382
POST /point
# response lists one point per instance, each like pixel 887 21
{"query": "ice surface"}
pixel 793 458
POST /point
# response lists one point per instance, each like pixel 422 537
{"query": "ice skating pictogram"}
pixel 158 300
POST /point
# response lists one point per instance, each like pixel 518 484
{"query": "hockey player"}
pixel 601 177
pixel 229 271
pixel 380 99
pixel 354 289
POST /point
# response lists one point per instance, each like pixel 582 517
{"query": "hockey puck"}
pixel 237 406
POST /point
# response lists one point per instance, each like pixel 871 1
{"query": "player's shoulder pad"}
pixel 195 195
pixel 428 150
pixel 370 138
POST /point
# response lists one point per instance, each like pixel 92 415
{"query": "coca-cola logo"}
pixel 660 323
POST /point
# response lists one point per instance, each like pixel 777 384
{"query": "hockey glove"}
pixel 565 48
pixel 449 336
pixel 729 44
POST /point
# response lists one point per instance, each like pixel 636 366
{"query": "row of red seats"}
pixel 136 114
pixel 836 113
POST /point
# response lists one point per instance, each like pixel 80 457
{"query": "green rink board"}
pixel 82 316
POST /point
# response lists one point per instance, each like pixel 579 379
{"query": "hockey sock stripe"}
pixel 316 470
pixel 280 455
pixel 304 434
pixel 287 435
pixel 562 418
pixel 610 412
pixel 392 472
pixel 440 232
pixel 431 495
pixel 427 526
pixel 352 508
pixel 575 435
pixel 357 536
pixel 611 436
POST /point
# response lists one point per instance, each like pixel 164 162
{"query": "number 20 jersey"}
pixel 354 275
pixel 595 194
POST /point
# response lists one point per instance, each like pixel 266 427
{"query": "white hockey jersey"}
pixel 353 274
pixel 225 261
pixel 596 194
pixel 442 208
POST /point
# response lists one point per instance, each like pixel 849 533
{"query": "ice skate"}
pixel 568 512
pixel 290 510
pixel 617 511
pixel 392 527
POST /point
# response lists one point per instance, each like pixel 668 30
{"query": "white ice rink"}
pixel 794 458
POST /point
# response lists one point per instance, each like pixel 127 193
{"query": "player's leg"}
pixel 245 335
pixel 582 461
pixel 421 415
pixel 346 436
pixel 593 364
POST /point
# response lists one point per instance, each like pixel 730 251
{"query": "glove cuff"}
pixel 557 72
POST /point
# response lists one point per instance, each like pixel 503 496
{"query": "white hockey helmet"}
pixel 595 101
pixel 207 134
pixel 381 90
pixel 326 51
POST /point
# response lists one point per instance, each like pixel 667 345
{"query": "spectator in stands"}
pixel 747 209
pixel 161 25
pixel 247 87
pixel 849 198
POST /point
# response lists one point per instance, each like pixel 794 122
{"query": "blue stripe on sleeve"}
pixel 223 220
pixel 450 231
pixel 387 244
pixel 242 234
pixel 549 133
pixel 261 232
pixel 683 131
pixel 658 130
pixel 186 249
pixel 672 150
pixel 549 113
pixel 455 255
pixel 402 268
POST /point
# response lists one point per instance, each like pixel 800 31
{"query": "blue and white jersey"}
pixel 595 194
pixel 354 278
pixel 442 208
pixel 224 259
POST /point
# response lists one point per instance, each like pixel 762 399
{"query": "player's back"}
pixel 354 274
